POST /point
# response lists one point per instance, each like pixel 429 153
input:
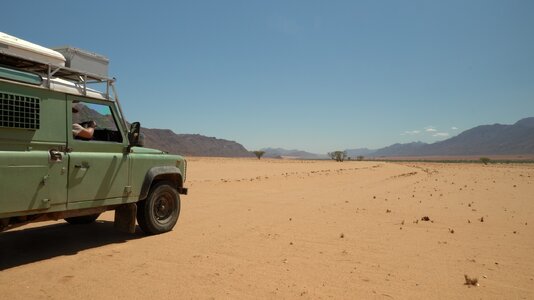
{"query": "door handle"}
pixel 55 156
pixel 83 165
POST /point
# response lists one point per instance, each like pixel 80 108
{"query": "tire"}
pixel 159 212
pixel 82 219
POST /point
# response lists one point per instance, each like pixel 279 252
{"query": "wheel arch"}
pixel 162 173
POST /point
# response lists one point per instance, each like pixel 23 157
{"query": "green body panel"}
pixel 98 170
pixel 52 129
pixel 97 176
pixel 89 174
pixel 29 181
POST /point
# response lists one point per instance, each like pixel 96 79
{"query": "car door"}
pixel 32 138
pixel 98 167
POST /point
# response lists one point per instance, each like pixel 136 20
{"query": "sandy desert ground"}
pixel 299 229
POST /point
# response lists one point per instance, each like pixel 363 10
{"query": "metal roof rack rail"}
pixel 50 70
pixel 75 76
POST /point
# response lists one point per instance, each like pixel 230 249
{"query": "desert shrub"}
pixel 485 160
pixel 258 153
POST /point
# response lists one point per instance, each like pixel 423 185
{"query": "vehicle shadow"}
pixel 36 244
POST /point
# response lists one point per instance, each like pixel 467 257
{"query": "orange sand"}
pixel 292 229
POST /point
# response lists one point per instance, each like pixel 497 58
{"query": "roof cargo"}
pixel 85 61
pixel 14 46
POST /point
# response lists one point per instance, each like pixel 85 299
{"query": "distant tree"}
pixel 485 160
pixel 258 153
pixel 338 155
pixel 359 157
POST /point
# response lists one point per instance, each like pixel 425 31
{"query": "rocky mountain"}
pixel 487 140
pixel 167 140
pixel 192 144
pixel 399 149
pixel 496 139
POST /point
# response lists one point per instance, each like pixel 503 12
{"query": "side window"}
pixel 94 122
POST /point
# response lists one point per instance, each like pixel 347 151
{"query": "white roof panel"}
pixel 19 47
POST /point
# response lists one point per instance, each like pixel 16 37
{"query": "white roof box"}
pixel 84 61
pixel 14 46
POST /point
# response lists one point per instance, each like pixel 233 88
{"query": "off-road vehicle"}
pixel 49 172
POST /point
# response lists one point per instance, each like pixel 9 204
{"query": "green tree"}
pixel 485 160
pixel 338 155
pixel 359 157
pixel 258 153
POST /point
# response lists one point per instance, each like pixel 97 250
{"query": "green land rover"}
pixel 49 171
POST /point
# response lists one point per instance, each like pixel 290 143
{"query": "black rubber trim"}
pixel 182 190
pixel 158 171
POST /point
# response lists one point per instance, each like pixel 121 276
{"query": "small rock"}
pixel 470 281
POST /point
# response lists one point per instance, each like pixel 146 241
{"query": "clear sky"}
pixel 313 75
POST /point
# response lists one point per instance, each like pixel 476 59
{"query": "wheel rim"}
pixel 164 207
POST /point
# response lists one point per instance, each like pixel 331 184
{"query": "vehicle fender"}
pixel 167 173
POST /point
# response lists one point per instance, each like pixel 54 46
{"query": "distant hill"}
pixel 359 151
pixel 192 144
pixel 399 149
pixel 487 140
pixel 167 140
pixel 496 139
pixel 280 152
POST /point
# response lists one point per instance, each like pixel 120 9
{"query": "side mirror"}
pixel 135 136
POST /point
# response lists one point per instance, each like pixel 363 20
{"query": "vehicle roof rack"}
pixel 50 70
pixel 75 76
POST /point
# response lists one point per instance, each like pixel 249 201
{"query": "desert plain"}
pixel 299 229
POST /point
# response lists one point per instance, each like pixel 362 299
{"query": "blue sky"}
pixel 312 75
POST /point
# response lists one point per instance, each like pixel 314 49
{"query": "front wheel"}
pixel 159 212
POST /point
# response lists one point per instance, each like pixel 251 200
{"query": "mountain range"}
pixel 496 139
pixel 192 144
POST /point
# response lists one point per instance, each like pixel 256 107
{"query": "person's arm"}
pixel 84 132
